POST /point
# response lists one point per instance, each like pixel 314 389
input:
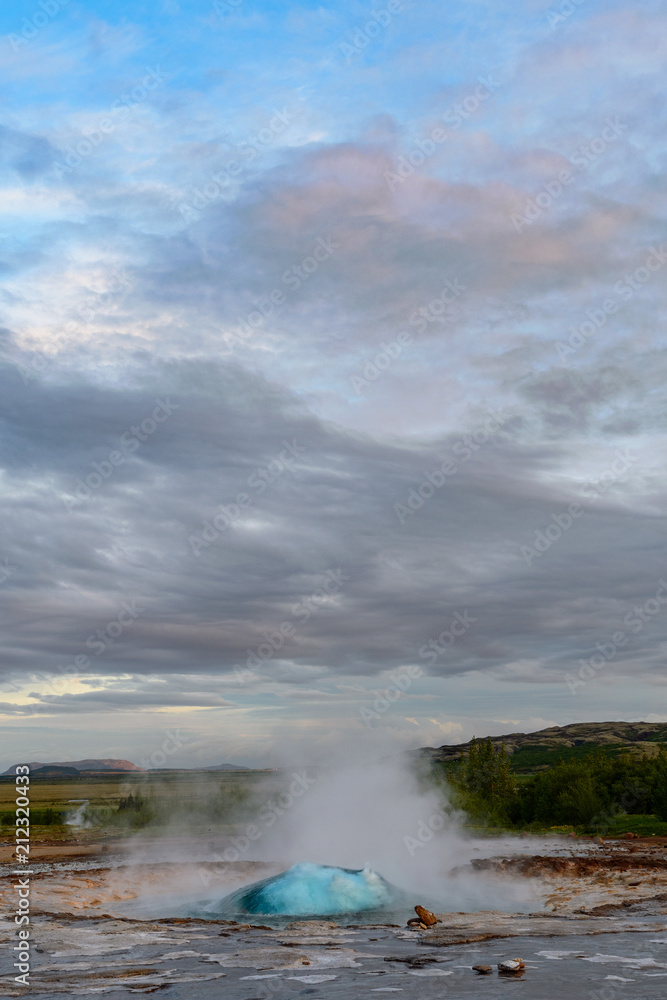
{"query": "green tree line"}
pixel 585 792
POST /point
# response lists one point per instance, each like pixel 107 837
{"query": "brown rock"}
pixel 484 970
pixel 426 916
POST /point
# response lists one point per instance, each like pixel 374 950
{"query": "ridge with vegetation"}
pixel 578 777
pixel 531 752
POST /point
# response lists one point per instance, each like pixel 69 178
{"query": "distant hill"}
pixel 535 751
pixel 52 771
pixel 93 765
pixel 90 764
pixel 225 767
pixel 198 770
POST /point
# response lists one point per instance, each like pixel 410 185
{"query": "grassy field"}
pixel 643 825
pixel 118 803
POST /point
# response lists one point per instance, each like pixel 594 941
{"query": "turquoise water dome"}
pixel 308 890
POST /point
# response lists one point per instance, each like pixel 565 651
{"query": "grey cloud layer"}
pixel 459 550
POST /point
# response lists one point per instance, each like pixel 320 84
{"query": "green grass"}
pixel 641 824
pixel 38 817
pixel 659 737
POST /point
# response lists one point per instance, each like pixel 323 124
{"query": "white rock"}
pixel 511 965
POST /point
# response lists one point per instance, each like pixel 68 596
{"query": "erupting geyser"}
pixel 309 890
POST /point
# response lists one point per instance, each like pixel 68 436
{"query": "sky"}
pixel 333 378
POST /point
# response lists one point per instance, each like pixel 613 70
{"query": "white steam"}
pixel 378 815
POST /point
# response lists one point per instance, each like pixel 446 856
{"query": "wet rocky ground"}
pixel 598 929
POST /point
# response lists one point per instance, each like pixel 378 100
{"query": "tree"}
pixel 484 781
pixel 660 788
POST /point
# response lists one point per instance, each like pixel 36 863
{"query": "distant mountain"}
pixel 89 764
pixel 534 751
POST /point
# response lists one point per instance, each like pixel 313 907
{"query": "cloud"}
pixel 115 579
pixel 248 319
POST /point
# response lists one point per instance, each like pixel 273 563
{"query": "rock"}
pixel 512 965
pixel 414 922
pixel 426 916
pixel 316 926
pixel 416 961
pixel 484 970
